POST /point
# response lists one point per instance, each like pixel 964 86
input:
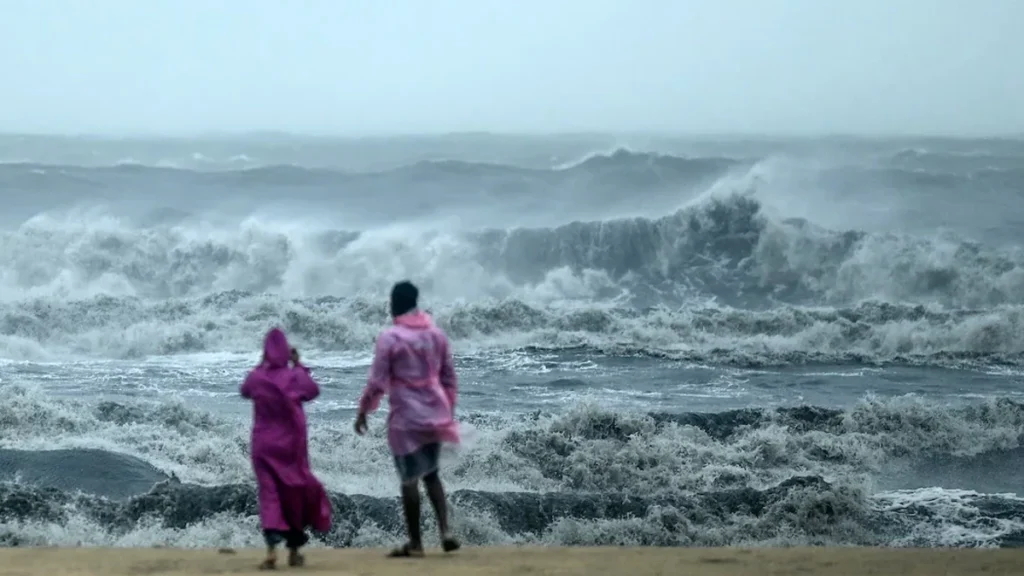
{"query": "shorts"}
pixel 411 467
pixel 292 538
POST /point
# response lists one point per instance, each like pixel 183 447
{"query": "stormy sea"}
pixel 660 341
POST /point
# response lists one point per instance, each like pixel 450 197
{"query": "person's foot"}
pixel 269 564
pixel 295 559
pixel 407 550
pixel 450 543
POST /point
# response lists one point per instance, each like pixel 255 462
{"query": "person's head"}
pixel 276 351
pixel 404 296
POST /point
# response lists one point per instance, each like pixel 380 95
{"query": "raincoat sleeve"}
pixel 380 376
pixel 249 386
pixel 306 388
pixel 449 381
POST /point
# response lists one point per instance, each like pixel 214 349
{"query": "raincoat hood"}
pixel 417 319
pixel 276 351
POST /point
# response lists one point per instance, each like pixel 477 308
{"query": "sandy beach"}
pixel 533 561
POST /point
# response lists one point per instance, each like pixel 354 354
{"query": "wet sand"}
pixel 523 561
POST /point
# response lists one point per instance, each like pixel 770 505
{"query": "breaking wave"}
pixel 720 279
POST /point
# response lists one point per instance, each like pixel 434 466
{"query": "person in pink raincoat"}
pixel 291 498
pixel 413 365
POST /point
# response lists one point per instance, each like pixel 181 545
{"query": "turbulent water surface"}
pixel 661 342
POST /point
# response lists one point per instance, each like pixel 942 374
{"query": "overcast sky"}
pixel 413 66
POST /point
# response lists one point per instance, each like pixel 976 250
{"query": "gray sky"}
pixel 411 66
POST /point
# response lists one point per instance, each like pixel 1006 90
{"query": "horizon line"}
pixel 383 135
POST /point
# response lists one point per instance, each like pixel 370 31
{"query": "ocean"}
pixel 660 341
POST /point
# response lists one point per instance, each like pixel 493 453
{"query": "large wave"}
pixel 720 278
pixel 726 243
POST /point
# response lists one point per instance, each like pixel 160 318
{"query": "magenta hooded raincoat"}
pixel 290 496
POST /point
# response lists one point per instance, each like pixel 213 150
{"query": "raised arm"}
pixel 306 387
pixel 380 376
pixel 449 381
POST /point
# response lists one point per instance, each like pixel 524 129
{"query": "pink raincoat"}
pixel 291 497
pixel 413 365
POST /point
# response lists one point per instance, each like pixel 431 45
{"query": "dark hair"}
pixel 403 297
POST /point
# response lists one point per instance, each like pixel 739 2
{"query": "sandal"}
pixel 450 544
pixel 269 564
pixel 295 559
pixel 406 551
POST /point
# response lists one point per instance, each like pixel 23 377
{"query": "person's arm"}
pixel 379 380
pixel 248 386
pixel 449 381
pixel 307 388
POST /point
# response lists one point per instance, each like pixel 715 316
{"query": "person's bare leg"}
pixel 296 540
pixel 411 507
pixel 270 562
pixel 435 491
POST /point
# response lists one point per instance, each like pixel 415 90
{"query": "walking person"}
pixel 413 365
pixel 291 498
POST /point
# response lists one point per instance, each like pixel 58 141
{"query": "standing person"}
pixel 291 498
pixel 413 365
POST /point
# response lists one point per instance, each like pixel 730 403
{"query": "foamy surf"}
pixel 739 346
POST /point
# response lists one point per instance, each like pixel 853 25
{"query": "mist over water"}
pixel 777 341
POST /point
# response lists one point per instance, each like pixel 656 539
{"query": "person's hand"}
pixel 360 425
pixel 295 356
